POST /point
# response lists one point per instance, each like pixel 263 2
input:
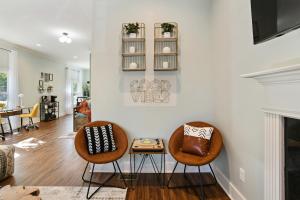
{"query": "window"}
pixel 3 87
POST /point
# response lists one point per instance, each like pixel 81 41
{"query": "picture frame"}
pixel 46 77
pixel 50 77
pixel 41 83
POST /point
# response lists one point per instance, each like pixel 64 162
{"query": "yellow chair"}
pixel 2 105
pixel 32 114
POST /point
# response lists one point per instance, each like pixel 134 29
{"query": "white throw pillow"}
pixel 202 132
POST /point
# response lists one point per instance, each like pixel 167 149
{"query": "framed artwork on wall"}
pixel 41 83
pixel 50 77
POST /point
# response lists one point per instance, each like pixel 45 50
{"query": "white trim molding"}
pixel 286 74
pixel 282 97
pixel 229 188
pixel 274 157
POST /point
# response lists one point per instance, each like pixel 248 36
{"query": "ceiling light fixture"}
pixel 65 38
pixel 38 45
pixel 75 57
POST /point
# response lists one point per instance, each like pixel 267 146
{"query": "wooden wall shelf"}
pixel 165 61
pixel 138 43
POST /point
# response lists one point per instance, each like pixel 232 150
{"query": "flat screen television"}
pixel 273 18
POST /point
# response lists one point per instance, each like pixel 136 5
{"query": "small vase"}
pixel 165 65
pixel 132 35
pixel 167 34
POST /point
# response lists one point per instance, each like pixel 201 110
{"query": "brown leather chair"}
pixel 175 149
pixel 101 158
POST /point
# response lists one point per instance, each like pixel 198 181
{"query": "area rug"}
pixel 68 136
pixel 78 193
pixel 29 144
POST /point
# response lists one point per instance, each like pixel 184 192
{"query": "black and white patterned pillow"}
pixel 100 139
pixel 202 132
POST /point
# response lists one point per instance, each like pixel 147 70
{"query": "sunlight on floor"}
pixel 17 155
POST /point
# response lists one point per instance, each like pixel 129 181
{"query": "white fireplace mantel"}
pixel 282 99
pixel 285 74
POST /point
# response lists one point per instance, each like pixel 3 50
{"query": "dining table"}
pixel 7 113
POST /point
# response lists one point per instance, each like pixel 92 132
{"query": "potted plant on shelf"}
pixel 167 29
pixel 132 29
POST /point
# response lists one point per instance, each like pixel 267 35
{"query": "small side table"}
pixel 159 170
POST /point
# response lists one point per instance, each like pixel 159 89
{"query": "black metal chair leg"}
pixel 172 174
pixel 82 177
pixel 213 173
pixel 88 196
pixel 3 133
pixel 121 174
pixel 201 185
pixel 89 187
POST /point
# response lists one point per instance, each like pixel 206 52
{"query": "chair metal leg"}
pixel 122 176
pixel 172 174
pixel 100 185
pixel 201 185
pixel 3 133
pixel 213 173
pixel 191 183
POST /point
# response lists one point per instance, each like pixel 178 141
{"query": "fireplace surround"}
pixel 282 101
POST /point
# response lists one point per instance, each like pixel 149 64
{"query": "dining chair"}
pixel 29 116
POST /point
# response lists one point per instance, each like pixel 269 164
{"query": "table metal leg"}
pixel 11 131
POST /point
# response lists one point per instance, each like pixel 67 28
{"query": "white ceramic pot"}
pixel 167 34
pixel 165 65
pixel 166 50
pixel 131 49
pixel 133 65
pixel 132 35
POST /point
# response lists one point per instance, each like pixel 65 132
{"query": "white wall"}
pixel 239 101
pixel 194 87
pixel 31 64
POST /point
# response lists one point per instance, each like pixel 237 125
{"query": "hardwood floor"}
pixel 56 163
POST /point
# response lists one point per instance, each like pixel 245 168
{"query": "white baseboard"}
pixel 228 187
pixel 170 163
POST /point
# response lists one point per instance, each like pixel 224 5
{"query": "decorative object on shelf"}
pixel 42 75
pixel 133 47
pixel 165 46
pixel 133 65
pixel 132 29
pixel 150 91
pixel 49 89
pixel 167 29
pixel 166 50
pixel 41 88
pixel 20 96
pixel 165 65
pixel 49 108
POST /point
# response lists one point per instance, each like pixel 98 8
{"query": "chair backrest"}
pixel 121 141
pixel 216 142
pixel 34 110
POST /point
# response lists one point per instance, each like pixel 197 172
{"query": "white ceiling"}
pixel 28 22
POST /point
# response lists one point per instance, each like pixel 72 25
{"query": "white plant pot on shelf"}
pixel 131 49
pixel 133 65
pixel 132 35
pixel 167 34
pixel 166 50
